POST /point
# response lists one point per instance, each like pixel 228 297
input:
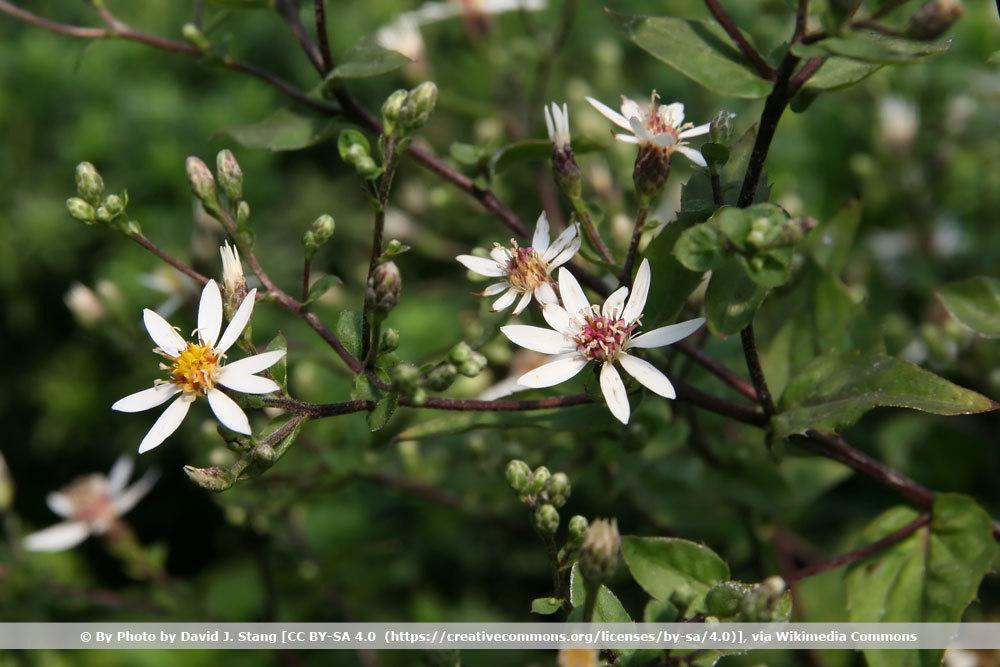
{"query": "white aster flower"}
pixel 91 505
pixel 526 271
pixel 582 333
pixel 557 123
pixel 232 270
pixel 656 125
pixel 196 367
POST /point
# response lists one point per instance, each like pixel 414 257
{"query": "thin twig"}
pixel 747 49
pixel 756 369
pixel 322 37
pixel 633 246
pixel 166 257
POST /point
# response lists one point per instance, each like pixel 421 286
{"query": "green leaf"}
pixel 349 331
pixel 732 298
pixel 545 606
pixel 320 287
pixel 975 303
pixel 279 371
pixel 837 73
pixel 930 577
pixel 665 566
pixel 366 59
pixel 608 608
pixel 871 47
pixel 699 248
pixel 831 241
pixel 673 283
pixel 577 419
pixel 243 4
pixel 283 130
pixel 836 389
pixel 349 137
pixel 700 50
pixel 384 408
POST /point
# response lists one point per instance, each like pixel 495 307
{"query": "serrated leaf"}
pixel 384 408
pixel 321 286
pixel 348 330
pixel 665 566
pixel 545 606
pixel 608 608
pixel 283 130
pixel 279 371
pixel 732 298
pixel 366 59
pixel 836 389
pixel 975 303
pixel 697 49
pixel 930 577
pixel 871 47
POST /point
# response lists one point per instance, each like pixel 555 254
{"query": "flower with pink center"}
pixel 657 125
pixel 525 271
pixel 605 334
pixel 90 505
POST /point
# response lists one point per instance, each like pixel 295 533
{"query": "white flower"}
pixel 658 125
pixel 91 505
pixel 582 333
pixel 167 280
pixel 85 305
pixel 196 368
pixel 525 270
pixel 403 36
pixel 557 123
pixel 232 270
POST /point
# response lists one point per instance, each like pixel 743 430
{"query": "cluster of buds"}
pixel 92 206
pixel 414 382
pixel 230 179
pixel 384 287
pixel 544 492
pixel 934 19
pixel 355 150
pixel 405 111
pixel 599 554
pixel 318 234
pixel 467 361
pixel 765 234
pixel 750 603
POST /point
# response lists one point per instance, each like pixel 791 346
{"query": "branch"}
pixel 750 53
pixel 749 341
pixel 166 257
pixel 633 246
pixel 319 11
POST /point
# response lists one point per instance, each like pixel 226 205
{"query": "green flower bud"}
pixel 599 553
pixel 384 287
pixel 934 19
pixel 390 340
pixel 459 353
pixel 763 602
pixel 419 396
pixel 114 204
pixel 394 247
pixel 518 476
pixel 721 128
pixel 441 377
pixel 195 37
pixel 557 488
pixel 538 479
pixel 89 183
pixel 725 598
pixel 416 109
pixel 405 377
pixel 104 215
pixel 322 228
pixel 577 530
pixel 230 175
pixel 242 213
pixel 213 479
pixel 470 368
pixel 81 210
pixel 390 110
pixel 202 183
pixel 547 519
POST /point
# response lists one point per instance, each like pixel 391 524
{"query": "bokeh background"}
pixel 351 525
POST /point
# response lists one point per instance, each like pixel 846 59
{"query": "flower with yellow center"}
pixel 195 368
pixel 90 505
pixel 525 270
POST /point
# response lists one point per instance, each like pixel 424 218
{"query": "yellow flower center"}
pixel 194 370
pixel 526 269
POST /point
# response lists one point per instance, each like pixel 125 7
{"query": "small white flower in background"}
pixel 85 305
pixel 403 36
pixel 177 286
pixel 557 123
pixel 196 367
pixel 656 125
pixel 582 333
pixel 898 122
pixel 90 505
pixel 525 270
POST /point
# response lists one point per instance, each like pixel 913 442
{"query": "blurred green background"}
pixel 351 525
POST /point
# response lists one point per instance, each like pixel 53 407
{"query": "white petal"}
pixel 558 318
pixel 538 339
pixel 505 300
pixel 164 335
pixel 667 335
pixel 120 473
pixel 249 384
pixel 693 155
pixel 554 372
pixel 60 504
pixel 631 108
pixel 563 241
pixel 494 289
pixel 640 291
pixel 614 303
pixel 610 113
pixel 614 393
pixel 482 266
pixel 573 298
pixel 548 124
pixel 253 364
pixel 695 131
pixel 639 129
pixel 146 399
pixel 61 536
pixel 545 294
pixel 239 322
pixel 227 412
pixel 126 500
pixel 665 140
pixel 210 314
pixel 672 113
pixel 627 138
pixel 166 424
pixel 567 254
pixel 523 303
pixel 540 241
pixel 648 375
pixel 500 255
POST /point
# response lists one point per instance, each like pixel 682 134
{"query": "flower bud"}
pixel 390 110
pixel 89 183
pixel 322 228
pixel 417 108
pixel 934 19
pixel 459 353
pixel 721 128
pixel 546 520
pixel 599 553
pixel 470 368
pixel 390 340
pixel 230 175
pixel 419 396
pixel 405 377
pixel 441 377
pixel 725 598
pixel 538 479
pixel 566 171
pixel 202 183
pixel 577 530
pixel 81 210
pixel 234 283
pixel 652 166
pixel 762 603
pixel 557 488
pixel 195 37
pixel 384 287
pixel 213 479
pixel 114 204
pixel 242 213
pixel 104 215
pixel 518 476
